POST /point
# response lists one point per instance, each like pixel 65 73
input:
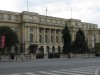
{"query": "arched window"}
pixel 53 49
pixel 31 37
pixel 48 49
pixel 59 51
pixel 41 49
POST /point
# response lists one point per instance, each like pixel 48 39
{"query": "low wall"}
pixel 76 55
pixel 33 56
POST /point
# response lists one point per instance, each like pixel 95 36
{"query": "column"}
pixel 23 38
pixel 35 34
pixel 55 36
pixel 60 35
pixel 44 35
pixel 37 38
pixel 50 36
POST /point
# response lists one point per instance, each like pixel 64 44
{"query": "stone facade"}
pixel 45 31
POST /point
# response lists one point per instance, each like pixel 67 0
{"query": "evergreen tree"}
pixel 97 48
pixel 33 48
pixel 11 38
pixel 80 43
pixel 66 39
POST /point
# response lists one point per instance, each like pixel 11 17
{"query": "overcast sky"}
pixel 85 10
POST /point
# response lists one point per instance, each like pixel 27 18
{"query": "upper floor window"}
pixel 56 39
pixel 31 29
pixel 40 38
pixel 51 39
pixel 46 30
pixel 46 38
pixel 16 17
pixel 31 37
pixel 57 31
pixel 9 17
pixel 52 31
pixel 1 16
pixel 30 17
pixel 40 30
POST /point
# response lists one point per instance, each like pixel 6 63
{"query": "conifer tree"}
pixel 80 42
pixel 66 39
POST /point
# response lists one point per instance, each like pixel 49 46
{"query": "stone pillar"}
pixel 44 35
pixel 23 38
pixel 60 39
pixel 49 36
pixel 37 34
pixel 55 36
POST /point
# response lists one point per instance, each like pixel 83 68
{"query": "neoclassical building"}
pixel 45 31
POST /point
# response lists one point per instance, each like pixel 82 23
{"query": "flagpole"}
pixel 46 11
pixel 27 5
pixel 71 13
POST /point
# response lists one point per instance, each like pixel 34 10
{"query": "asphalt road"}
pixel 45 65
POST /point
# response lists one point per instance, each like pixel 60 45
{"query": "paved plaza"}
pixel 73 66
pixel 72 71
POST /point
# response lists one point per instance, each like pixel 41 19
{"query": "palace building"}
pixel 46 31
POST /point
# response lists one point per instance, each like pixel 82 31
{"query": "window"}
pixel 40 38
pixel 31 37
pixel 57 31
pixel 31 29
pixel 51 39
pixel 53 49
pixel 46 38
pixel 1 16
pixel 9 17
pixel 46 30
pixel 62 39
pixel 16 17
pixel 56 39
pixel 40 30
pixel 30 17
pixel 52 31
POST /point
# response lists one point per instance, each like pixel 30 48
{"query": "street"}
pixel 73 66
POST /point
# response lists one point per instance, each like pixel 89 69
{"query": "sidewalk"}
pixel 17 58
pixel 5 58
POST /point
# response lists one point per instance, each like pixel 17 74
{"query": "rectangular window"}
pixel 16 17
pixel 40 30
pixel 30 17
pixel 31 29
pixel 1 16
pixel 9 17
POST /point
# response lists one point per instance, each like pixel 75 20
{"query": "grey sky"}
pixel 86 10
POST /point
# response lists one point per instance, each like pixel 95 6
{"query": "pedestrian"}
pixel 68 55
pixel 13 55
pixel 10 56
